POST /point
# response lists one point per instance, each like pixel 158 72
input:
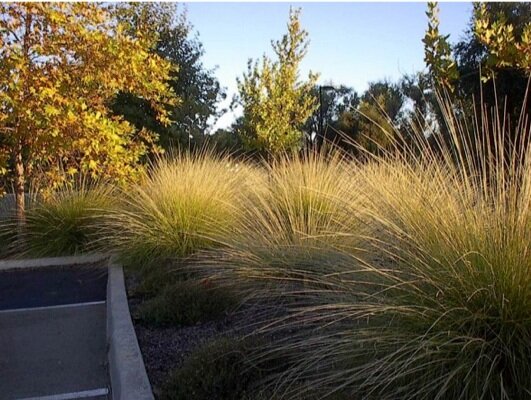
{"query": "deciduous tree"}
pixel 438 52
pixel 276 103
pixel 60 66
pixel 496 44
pixel 508 45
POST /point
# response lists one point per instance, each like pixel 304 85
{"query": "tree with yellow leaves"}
pixel 60 66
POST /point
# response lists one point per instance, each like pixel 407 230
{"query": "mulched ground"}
pixel 165 349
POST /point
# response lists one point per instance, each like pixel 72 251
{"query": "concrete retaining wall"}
pixel 129 379
pixel 52 261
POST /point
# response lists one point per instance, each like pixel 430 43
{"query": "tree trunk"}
pixel 20 188
pixel 20 173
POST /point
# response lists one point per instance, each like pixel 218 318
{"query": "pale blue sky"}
pixel 350 43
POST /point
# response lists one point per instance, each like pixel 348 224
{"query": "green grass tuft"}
pixel 64 222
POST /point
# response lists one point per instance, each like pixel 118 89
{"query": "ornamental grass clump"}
pixel 63 222
pixel 179 207
pixel 438 306
pixel 302 218
pixel 454 308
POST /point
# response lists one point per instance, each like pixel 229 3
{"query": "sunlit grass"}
pixel 438 303
pixel 304 216
pixel 179 208
pixel 405 276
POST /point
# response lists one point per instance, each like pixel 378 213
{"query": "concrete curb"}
pixel 129 380
pixel 52 261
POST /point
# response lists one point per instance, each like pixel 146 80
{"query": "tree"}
pixel 368 121
pixel 335 104
pixel 496 44
pixel 508 44
pixel 422 114
pixel 494 48
pixel 347 128
pixel 60 66
pixel 380 110
pixel 438 52
pixel 227 140
pixel 196 86
pixel 276 104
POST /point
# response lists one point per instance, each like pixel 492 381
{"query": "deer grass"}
pixel 438 305
pixel 180 206
pixel 302 216
pixel 63 222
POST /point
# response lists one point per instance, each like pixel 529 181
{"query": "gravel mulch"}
pixel 166 348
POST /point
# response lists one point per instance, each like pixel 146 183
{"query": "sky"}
pixel 350 43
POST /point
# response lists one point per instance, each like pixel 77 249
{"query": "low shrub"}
pixel 224 369
pixel 218 370
pixel 186 303
pixel 148 282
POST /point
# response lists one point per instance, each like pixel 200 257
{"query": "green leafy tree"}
pixel 508 44
pixel 336 104
pixel 196 86
pixel 276 103
pixel 345 131
pixel 367 121
pixel 380 113
pixel 489 49
pixel 60 66
pixel 496 44
pixel 227 140
pixel 438 52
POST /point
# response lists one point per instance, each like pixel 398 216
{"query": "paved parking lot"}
pixel 52 334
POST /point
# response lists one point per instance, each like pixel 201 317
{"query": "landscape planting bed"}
pixel 164 348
